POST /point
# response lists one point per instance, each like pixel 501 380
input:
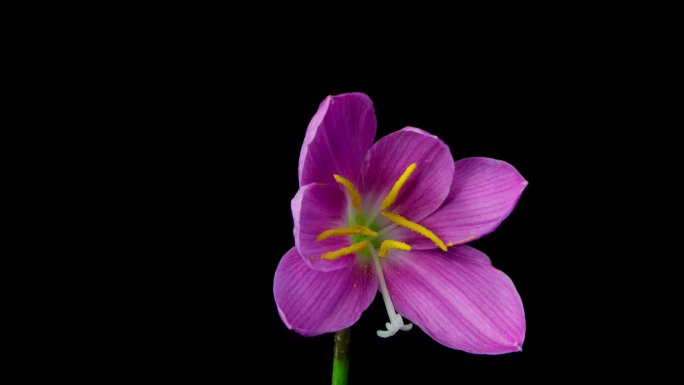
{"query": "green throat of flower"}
pixel 364 229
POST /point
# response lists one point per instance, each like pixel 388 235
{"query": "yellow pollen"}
pixel 392 196
pixel 388 244
pixel 345 251
pixel 354 230
pixel 413 226
pixel 356 197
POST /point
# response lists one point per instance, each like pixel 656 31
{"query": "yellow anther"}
pixel 392 196
pixel 388 244
pixel 413 226
pixel 345 251
pixel 356 197
pixel 354 230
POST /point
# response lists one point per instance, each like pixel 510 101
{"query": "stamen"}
pixel 396 323
pixel 354 230
pixel 356 197
pixel 392 196
pixel 388 244
pixel 413 226
pixel 332 255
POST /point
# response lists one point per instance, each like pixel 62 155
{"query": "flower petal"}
pixel 313 302
pixel 316 208
pixel 458 298
pixel 425 189
pixel 483 193
pixel 337 139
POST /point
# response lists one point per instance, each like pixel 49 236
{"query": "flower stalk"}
pixel 341 357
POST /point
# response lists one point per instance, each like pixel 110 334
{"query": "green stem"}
pixel 341 358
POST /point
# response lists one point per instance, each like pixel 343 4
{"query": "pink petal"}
pixel 313 302
pixel 425 189
pixel 458 298
pixel 337 139
pixel 484 192
pixel 316 208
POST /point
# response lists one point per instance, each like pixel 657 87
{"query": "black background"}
pixel 222 169
pixel 177 134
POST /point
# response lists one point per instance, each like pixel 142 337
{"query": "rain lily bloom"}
pixel 394 217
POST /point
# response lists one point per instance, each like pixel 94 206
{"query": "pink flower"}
pixel 394 217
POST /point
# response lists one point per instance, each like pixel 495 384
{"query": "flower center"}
pixel 367 235
pixel 364 228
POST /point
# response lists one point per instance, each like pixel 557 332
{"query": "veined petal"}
pixel 425 189
pixel 337 139
pixel 313 302
pixel 316 208
pixel 458 298
pixel 483 193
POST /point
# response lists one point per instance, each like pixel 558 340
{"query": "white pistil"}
pixel 395 319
